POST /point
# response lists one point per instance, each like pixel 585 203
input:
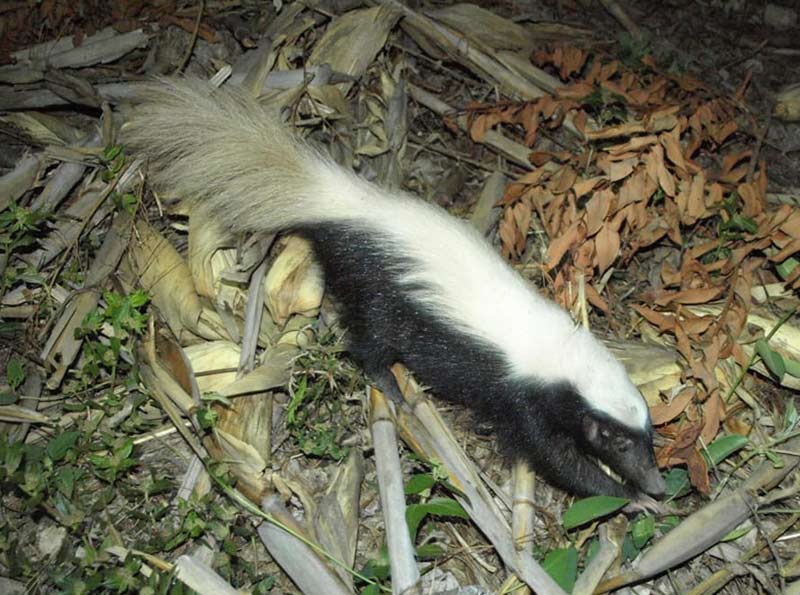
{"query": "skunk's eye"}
pixel 622 444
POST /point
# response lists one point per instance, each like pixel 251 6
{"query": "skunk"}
pixel 417 285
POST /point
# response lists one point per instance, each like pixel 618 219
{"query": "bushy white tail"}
pixel 233 157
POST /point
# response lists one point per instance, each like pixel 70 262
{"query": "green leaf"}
pixel 669 522
pixel 65 480
pixel 111 152
pixel 419 483
pixel 677 481
pixel 443 507
pixel 772 359
pixel 776 460
pixel 589 509
pixel 740 531
pixel 792 367
pixel 562 566
pixel 430 550
pixel 297 399
pixel 642 531
pixel 789 417
pixel 13 457
pixel 629 549
pixel 8 398
pixel 787 267
pixel 15 372
pixel 723 447
pixel 59 446
pixel 207 418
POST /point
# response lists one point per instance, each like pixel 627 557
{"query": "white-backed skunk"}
pixel 417 286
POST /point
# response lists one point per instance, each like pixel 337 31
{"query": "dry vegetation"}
pixel 177 410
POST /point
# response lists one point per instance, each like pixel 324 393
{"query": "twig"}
pixel 751 168
pixel 193 40
pixel 626 21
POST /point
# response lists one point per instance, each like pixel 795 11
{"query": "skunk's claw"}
pixel 646 504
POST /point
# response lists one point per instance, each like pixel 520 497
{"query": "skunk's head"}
pixel 628 451
pixel 614 422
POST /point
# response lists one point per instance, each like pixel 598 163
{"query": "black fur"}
pixel 550 425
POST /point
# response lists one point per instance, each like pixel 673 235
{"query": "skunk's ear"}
pixel 591 428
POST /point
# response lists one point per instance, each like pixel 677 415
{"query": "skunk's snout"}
pixel 653 483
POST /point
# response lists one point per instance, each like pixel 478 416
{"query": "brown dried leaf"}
pixel 634 144
pixel 670 140
pixel 665 179
pixel 698 472
pixel 595 299
pixel 617 170
pixel 564 180
pixel 607 244
pixel 753 202
pixel 627 129
pixel 663 119
pixel 696 295
pixel 596 210
pixel 714 196
pixel 696 207
pixel 585 186
pixel 722 132
pixel 664 322
pixel 560 245
pixel 577 90
pixel 661 414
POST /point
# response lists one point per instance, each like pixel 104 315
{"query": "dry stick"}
pixel 772 550
pixel 612 535
pixel 201 578
pixel 722 577
pixel 300 561
pixel 193 40
pixel 19 180
pixel 751 167
pixel 523 511
pixel 618 13
pixel 485 214
pixel 511 150
pixel 405 574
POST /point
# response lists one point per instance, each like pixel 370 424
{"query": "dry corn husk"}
pixel 651 368
pixel 787 105
pixel 163 274
pixel 214 364
pixel 294 284
pixel 208 256
pixel 353 40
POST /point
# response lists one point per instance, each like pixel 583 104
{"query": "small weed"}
pixel 423 504
pixel 607 108
pixel 127 318
pixel 318 404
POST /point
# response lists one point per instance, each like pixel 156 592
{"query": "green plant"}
pixel 318 400
pixel 19 230
pixel 127 318
pixel 420 488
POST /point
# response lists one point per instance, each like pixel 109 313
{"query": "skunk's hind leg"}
pixel 377 363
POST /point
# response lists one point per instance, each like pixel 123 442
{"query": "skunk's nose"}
pixel 654 483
